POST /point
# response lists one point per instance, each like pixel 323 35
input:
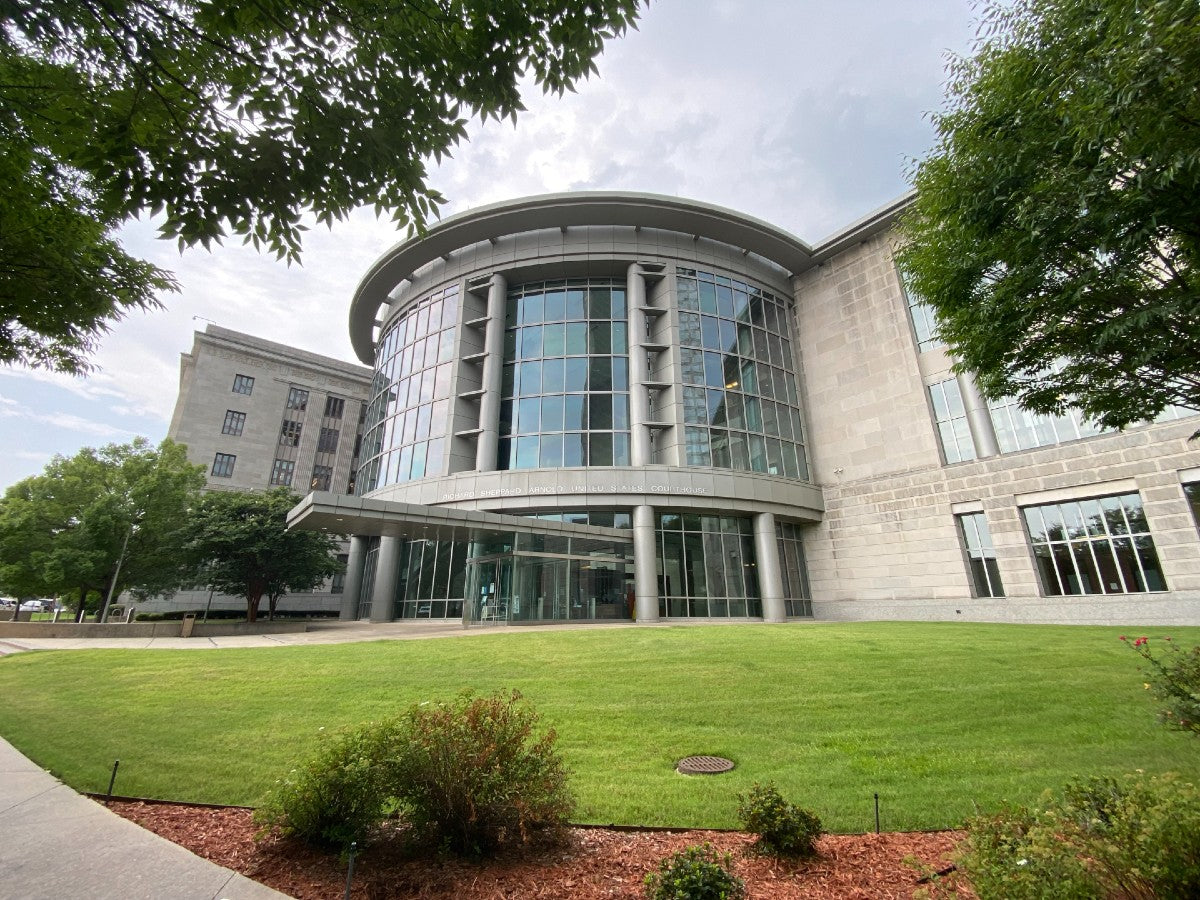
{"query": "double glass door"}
pixel 535 588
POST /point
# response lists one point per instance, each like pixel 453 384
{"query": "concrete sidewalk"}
pixel 56 844
pixel 318 633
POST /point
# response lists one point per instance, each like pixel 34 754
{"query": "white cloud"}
pixel 799 112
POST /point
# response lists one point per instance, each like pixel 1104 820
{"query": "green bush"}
pixel 473 774
pixel 782 828
pixel 339 794
pixel 1175 680
pixel 697 873
pixel 1138 837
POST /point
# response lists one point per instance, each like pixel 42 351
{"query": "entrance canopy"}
pixel 346 514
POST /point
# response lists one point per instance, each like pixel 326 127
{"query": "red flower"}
pixel 1139 642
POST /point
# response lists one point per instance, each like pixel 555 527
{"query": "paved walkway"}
pixel 332 632
pixel 56 844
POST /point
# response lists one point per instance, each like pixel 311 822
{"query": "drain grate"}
pixel 703 765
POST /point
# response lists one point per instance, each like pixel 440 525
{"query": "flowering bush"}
pixel 1137 837
pixel 1174 677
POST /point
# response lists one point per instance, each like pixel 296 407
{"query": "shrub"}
pixel 697 873
pixel 339 794
pixel 473 774
pixel 782 828
pixel 1138 837
pixel 1175 680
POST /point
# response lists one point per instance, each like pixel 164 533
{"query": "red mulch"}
pixel 594 863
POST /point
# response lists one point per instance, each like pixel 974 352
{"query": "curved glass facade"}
pixel 565 390
pixel 706 566
pixel 404 433
pixel 740 404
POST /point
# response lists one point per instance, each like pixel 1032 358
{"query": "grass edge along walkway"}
pixel 940 719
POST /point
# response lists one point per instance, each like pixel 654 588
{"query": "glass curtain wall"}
pixel 407 414
pixel 796 593
pixel 740 404
pixel 706 566
pixel 431 582
pixel 565 391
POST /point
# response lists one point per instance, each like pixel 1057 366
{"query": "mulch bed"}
pixel 593 863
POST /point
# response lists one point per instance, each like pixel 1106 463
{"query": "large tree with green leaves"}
pixel 1056 226
pixel 237 118
pixel 243 543
pixel 102 521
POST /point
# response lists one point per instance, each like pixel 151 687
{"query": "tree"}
pixel 1055 230
pixel 237 118
pixel 100 522
pixel 243 541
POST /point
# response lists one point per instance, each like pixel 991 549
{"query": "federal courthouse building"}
pixel 603 406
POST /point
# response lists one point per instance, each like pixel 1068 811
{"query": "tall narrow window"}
pixel 234 422
pixel 321 477
pixel 297 399
pixel 289 433
pixel 1192 492
pixel 282 471
pixel 328 440
pixel 1099 545
pixel 334 407
pixel 981 555
pixel 243 384
pixel 951 417
pixel 223 465
pixel 923 321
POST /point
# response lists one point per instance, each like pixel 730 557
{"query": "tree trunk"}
pixel 252 607
pixel 80 612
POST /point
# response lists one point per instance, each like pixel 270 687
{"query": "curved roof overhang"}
pixel 564 211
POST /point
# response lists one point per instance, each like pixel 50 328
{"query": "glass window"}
pixel 981 555
pixel 707 570
pixel 1100 546
pixel 322 476
pixel 334 406
pixel 923 321
pixel 328 440
pixel 723 350
pixel 223 465
pixel 234 422
pixel 243 384
pixel 289 433
pixel 1018 429
pixel 954 433
pixel 297 399
pixel 282 471
pixel 1192 492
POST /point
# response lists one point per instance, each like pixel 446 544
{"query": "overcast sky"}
pixel 806 114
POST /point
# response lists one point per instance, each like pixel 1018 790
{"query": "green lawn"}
pixel 939 719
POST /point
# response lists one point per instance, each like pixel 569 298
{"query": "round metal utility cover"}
pixel 703 765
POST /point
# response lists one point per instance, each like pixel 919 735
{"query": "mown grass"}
pixel 939 719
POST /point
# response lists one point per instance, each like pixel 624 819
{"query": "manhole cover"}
pixel 703 765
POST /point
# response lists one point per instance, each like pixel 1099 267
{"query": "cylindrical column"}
pixel 978 418
pixel 488 443
pixel 770 576
pixel 352 586
pixel 639 399
pixel 383 598
pixel 645 568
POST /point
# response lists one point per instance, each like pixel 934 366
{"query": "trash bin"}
pixel 189 621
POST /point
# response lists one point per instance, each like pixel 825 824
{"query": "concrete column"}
pixel 639 398
pixel 770 576
pixel 352 586
pixel 979 420
pixel 645 565
pixel 383 598
pixel 488 442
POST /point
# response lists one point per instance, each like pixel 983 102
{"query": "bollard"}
pixel 111 782
pixel 350 868
pixel 877 813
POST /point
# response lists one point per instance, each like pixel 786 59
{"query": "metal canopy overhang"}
pixel 564 211
pixel 346 514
